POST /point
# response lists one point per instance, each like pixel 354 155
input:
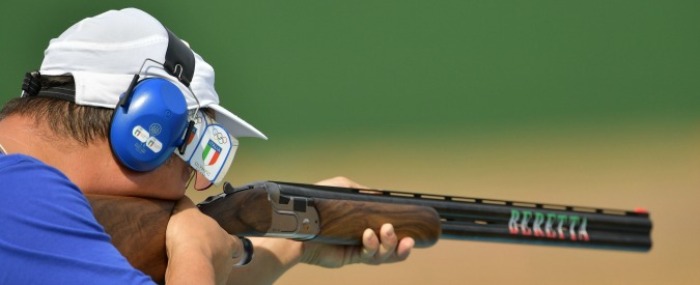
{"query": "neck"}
pixel 82 164
pixel 91 167
pixel 2 150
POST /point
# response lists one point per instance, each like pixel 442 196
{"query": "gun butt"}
pixel 140 222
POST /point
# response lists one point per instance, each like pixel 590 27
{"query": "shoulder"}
pixel 37 199
pixel 30 182
pixel 50 232
pixel 16 166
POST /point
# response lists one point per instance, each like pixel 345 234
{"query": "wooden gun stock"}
pixel 137 225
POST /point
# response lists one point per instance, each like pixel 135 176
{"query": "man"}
pixel 71 133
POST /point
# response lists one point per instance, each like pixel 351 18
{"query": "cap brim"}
pixel 236 126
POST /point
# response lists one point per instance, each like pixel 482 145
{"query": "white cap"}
pixel 103 53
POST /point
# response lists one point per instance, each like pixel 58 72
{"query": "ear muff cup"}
pixel 147 129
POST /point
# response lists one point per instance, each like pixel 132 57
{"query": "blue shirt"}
pixel 48 234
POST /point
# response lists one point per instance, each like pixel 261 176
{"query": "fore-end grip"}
pixel 344 221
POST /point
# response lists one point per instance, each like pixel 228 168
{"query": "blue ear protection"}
pixel 145 131
pixel 151 119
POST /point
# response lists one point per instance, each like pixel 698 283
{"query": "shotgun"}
pixel 338 215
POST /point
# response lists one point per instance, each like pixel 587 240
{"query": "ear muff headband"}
pixel 179 62
pixel 179 59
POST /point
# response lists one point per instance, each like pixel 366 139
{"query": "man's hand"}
pixel 376 249
pixel 199 250
pixel 384 248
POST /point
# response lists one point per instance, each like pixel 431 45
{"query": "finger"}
pixel 370 245
pixel 403 250
pixel 388 240
pixel 340 181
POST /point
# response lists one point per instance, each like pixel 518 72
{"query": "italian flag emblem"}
pixel 211 153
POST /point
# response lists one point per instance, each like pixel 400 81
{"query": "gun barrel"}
pixel 508 221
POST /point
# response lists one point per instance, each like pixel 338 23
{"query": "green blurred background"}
pixel 589 103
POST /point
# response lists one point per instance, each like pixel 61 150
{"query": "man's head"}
pixel 88 67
